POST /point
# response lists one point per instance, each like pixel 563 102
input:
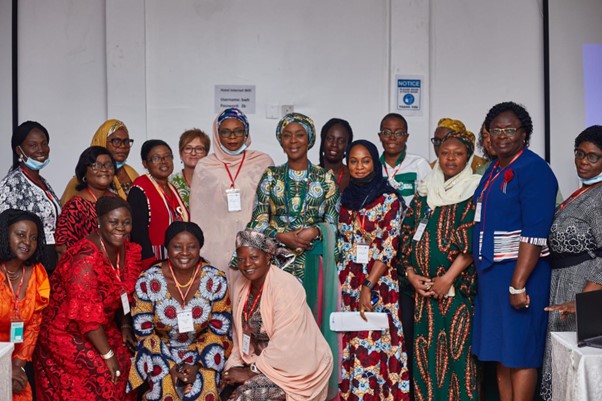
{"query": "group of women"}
pixel 221 278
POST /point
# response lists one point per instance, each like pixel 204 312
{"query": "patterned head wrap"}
pixel 236 114
pixel 454 125
pixel 466 137
pixel 306 122
pixel 255 239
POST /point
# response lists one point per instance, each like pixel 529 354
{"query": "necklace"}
pixel 12 276
pixel 116 269
pixel 176 280
pixel 179 286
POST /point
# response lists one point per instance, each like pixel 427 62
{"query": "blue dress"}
pixel 517 206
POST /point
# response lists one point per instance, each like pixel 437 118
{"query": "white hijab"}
pixel 439 192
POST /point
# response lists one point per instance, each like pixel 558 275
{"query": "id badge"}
pixel 16 332
pixel 246 344
pixel 420 230
pixel 477 212
pixel 234 202
pixel 362 252
pixel 185 323
pixel 125 303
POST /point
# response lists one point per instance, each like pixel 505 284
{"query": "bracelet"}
pixel 408 269
pixel 123 326
pixel 108 355
pixel 514 291
pixel 23 369
pixel 367 283
pixel 254 369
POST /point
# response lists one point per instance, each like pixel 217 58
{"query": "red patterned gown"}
pixel 85 295
pixel 374 362
pixel 444 367
pixel 77 221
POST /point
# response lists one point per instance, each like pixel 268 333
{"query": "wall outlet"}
pixel 287 108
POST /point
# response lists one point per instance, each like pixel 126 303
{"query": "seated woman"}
pixel 369 223
pixel 155 202
pixel 292 199
pixel 82 352
pixel 576 244
pixel 437 235
pixel 279 352
pixel 94 171
pixel 24 290
pixel 182 319
pixel 114 136
pixel 194 145
pixel 335 137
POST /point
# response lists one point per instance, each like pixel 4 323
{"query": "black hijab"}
pixel 359 192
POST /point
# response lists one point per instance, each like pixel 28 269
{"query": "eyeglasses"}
pixel 102 166
pixel 397 134
pixel 156 159
pixel 117 142
pixel 507 131
pixel 226 133
pixel 190 150
pixel 436 141
pixel 593 158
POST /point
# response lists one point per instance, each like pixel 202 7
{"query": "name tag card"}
pixel 185 323
pixel 246 344
pixel 420 230
pixel 16 332
pixel 234 200
pixel 362 252
pixel 125 303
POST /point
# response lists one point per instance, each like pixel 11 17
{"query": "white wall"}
pixel 154 65
pixel 6 109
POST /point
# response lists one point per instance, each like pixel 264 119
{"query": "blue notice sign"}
pixel 409 91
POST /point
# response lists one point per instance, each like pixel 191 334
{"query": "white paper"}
pixel 477 212
pixel 419 231
pixel 125 303
pixel 362 253
pixel 352 321
pixel 234 202
pixel 246 344
pixel 185 323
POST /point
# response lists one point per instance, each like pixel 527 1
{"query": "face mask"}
pixel 236 152
pixel 32 163
pixel 360 182
pixel 120 164
pixel 591 181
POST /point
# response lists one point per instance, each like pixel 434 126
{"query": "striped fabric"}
pixel 506 244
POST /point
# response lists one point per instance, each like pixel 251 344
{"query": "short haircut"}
pixel 105 204
pixel 192 134
pixel 591 134
pixel 86 159
pixel 393 115
pixel 147 146
pixel 19 136
pixel 518 110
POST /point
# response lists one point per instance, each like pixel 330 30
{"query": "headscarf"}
pixel 255 239
pixel 306 122
pixel 105 130
pixel 461 133
pixel 457 189
pixel 357 195
pixel 236 114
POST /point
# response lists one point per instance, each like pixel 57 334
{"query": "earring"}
pixel 84 179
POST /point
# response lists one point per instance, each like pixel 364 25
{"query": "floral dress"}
pixel 182 186
pixel 374 362
pixel 160 344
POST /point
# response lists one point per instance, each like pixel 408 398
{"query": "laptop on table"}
pixel 589 318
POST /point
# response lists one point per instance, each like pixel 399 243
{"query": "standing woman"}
pixel 24 291
pixel 94 172
pixel 437 238
pixel 374 362
pixel 155 202
pixel 292 199
pixel 194 145
pixel 335 137
pixel 223 189
pixel 113 135
pixel 25 189
pixel 576 244
pixel 82 352
pixel 513 215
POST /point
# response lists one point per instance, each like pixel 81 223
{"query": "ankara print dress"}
pixel 161 346
pixel 444 367
pixel 374 362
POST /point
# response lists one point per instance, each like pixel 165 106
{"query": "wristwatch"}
pixel 367 283
pixel 254 369
pixel 514 291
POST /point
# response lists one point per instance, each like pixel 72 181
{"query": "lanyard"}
pixel 183 295
pixel 398 164
pixel 92 194
pixel 575 196
pixel 177 214
pixel 304 190
pixel 12 290
pixel 117 269
pixel 340 177
pixel 495 166
pixel 246 312
pixel 232 180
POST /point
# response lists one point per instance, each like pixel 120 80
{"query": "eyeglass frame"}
pixel 395 134
pixel 510 131
pixel 228 133
pixel 195 149
pixel 156 159
pixel 436 141
pixel 128 142
pixel 587 156
pixel 96 166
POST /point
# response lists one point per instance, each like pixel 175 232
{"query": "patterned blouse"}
pixel 19 192
pixel 181 185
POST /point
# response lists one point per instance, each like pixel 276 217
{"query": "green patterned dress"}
pixel 181 185
pixel 444 367
pixel 289 199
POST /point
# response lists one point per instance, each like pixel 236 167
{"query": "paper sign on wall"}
pixel 409 93
pixel 239 96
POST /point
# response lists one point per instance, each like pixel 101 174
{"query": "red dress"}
pixel 85 295
pixel 77 221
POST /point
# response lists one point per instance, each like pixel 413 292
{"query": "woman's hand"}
pixel 421 284
pixel 113 366
pixel 565 309
pixel 19 378
pixel 520 301
pixel 295 239
pixel 183 376
pixel 237 375
pixel 365 303
pixel 441 286
pixel 127 335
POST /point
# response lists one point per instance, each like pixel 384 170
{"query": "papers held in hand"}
pixel 352 321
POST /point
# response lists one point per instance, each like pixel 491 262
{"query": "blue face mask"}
pixel 120 164
pixel 591 181
pixel 32 163
pixel 236 152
